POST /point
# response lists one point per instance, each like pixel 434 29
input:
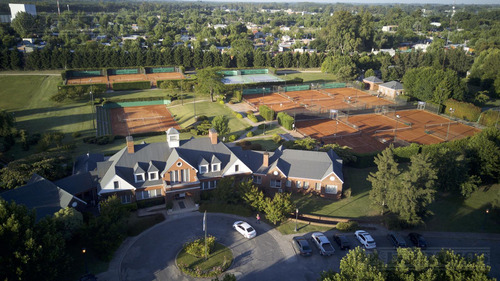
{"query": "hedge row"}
pixel 463 110
pixel 135 99
pixel 490 118
pixel 76 92
pixel 266 112
pixel 285 120
pixel 173 83
pixel 138 85
pixel 64 72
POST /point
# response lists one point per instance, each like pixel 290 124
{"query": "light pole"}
pixel 337 128
pixel 451 116
pixel 263 91
pixel 92 104
pixel 397 120
pixel 84 252
pixel 296 218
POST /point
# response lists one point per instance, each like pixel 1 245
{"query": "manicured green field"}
pixel 288 227
pixel 185 114
pixel 357 206
pixel 453 213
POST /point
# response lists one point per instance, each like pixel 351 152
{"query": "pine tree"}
pixel 385 179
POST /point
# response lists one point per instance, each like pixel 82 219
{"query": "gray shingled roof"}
pixel 373 79
pixel 87 162
pixel 76 184
pixel 42 195
pixel 395 85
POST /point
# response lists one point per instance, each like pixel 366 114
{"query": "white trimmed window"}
pixel 318 186
pixel 331 189
pixel 203 169
pixel 153 176
pixel 298 184
pixel 275 183
pixel 126 198
pixel 139 177
pixel 116 184
pixel 141 195
pixel 257 179
pixel 288 183
pixel 306 185
pixel 236 168
pixel 215 167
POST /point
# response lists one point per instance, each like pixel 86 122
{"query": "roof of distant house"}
pixel 395 85
pixel 373 79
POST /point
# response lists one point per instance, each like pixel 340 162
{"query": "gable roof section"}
pixel 42 195
pixel 395 85
pixel 309 164
pixel 87 162
pixel 76 184
pixel 373 79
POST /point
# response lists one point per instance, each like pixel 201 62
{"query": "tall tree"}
pixel 209 81
pixel 279 207
pixel 221 124
pixel 341 33
pixel 384 179
pixel 24 24
pixel 358 265
pixel 410 198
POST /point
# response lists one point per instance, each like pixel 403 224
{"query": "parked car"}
pixel 418 240
pixel 342 241
pixel 245 229
pixel 302 246
pixel 324 246
pixel 396 239
pixel 365 239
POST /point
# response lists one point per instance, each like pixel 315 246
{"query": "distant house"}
pixel 389 28
pixel 373 82
pixel 18 8
pixel 391 89
pixel 179 169
pixel 43 196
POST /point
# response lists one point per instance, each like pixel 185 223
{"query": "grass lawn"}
pixel 357 206
pixel 266 143
pixel 288 227
pixel 452 213
pixel 185 115
pixel 310 77
pixel 270 130
pixel 136 224
pixel 219 255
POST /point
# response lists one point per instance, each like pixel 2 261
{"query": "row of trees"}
pixel 410 264
pixel 458 167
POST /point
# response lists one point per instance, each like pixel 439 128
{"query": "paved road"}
pixel 269 256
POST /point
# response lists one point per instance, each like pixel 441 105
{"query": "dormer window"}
pixel 203 169
pixel 139 177
pixel 215 167
pixel 153 176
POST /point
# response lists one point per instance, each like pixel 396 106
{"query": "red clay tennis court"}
pixel 88 80
pixel 153 77
pixel 141 119
pixel 275 101
pixel 127 78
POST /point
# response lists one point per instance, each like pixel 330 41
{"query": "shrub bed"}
pixel 191 260
pixel 137 85
pixel 266 112
pixel 285 120
pixel 463 110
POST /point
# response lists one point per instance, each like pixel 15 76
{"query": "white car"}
pixel 245 229
pixel 324 246
pixel 366 239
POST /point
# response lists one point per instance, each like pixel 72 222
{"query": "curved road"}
pixel 266 257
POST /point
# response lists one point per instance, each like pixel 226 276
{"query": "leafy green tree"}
pixel 24 24
pixel 305 144
pixel 279 207
pixel 6 123
pixel 430 84
pixel 225 191
pixel 221 124
pixel 485 71
pixel 342 67
pixel 30 251
pixel 304 60
pixel 341 33
pixel 370 72
pixel 384 179
pixel 358 265
pixel 415 192
pixel 412 264
pixel 68 221
pixel 209 81
pixel 344 152
pixel 457 267
pixel 252 196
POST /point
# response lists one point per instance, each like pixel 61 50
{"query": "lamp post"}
pixel 263 91
pixel 397 117
pixel 92 103
pixel 451 117
pixel 296 218
pixel 84 252
pixel 337 128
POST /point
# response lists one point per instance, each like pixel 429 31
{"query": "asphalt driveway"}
pixel 269 256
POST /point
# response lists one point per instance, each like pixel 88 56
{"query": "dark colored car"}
pixel 417 240
pixel 302 246
pixel 396 239
pixel 342 241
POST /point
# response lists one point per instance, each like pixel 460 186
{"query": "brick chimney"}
pixel 130 144
pixel 212 134
pixel 265 159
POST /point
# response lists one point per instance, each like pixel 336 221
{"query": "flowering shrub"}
pixel 197 247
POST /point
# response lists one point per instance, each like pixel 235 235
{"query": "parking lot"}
pixel 270 255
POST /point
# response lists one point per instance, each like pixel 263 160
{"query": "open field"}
pixel 184 115
pixel 141 119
